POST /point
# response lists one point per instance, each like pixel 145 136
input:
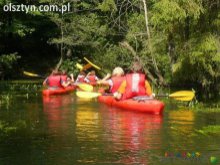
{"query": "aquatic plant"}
pixel 8 129
pixel 209 130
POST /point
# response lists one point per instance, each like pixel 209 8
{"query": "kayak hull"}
pixel 152 106
pixel 48 92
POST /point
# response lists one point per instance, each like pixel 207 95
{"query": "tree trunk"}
pixel 61 47
pixel 157 72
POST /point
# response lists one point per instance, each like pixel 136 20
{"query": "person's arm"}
pixel 86 78
pixel 120 91
pixel 64 83
pixel 77 79
pixel 72 78
pixel 148 88
pixel 106 77
pixel 45 82
pixel 96 78
pixel 104 82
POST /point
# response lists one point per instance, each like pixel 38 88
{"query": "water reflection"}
pixel 133 137
pixel 87 124
pixel 56 110
pixel 181 128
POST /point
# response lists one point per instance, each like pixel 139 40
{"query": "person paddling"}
pixel 81 77
pixel 115 81
pixel 91 78
pixel 65 79
pixel 53 81
pixel 135 84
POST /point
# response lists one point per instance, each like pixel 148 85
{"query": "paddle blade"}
pixel 31 74
pixel 183 98
pixel 87 95
pixel 85 87
pixel 183 95
pixel 79 66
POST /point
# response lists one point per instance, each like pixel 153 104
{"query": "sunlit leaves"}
pixel 166 13
pixel 202 62
pixel 107 6
pixel 6 61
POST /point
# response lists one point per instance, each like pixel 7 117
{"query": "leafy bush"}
pixel 7 62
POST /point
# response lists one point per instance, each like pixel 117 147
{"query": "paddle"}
pixel 183 95
pixel 79 66
pixel 83 86
pixel 32 74
pixel 179 95
pixel 89 65
pixel 87 95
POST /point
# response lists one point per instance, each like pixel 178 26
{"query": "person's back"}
pixel 116 82
pixel 91 78
pixel 63 76
pixel 117 78
pixel 135 84
pixel 53 81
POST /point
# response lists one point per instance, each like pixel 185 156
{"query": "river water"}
pixel 66 130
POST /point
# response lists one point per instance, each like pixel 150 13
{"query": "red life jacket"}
pixel 116 83
pixel 81 78
pixel 54 81
pixel 92 78
pixel 135 85
pixel 63 77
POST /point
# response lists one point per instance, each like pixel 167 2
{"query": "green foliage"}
pixel 7 62
pixel 208 130
pixel 20 29
pixel 113 57
pixel 202 62
pixel 7 129
pixel 136 33
pixel 166 14
pixel 107 6
pixel 69 65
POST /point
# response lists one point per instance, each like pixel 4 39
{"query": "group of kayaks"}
pixel 152 106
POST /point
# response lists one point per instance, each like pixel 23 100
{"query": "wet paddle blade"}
pixel 183 98
pixel 183 95
pixel 87 95
pixel 85 87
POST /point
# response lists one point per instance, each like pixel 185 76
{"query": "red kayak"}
pixel 148 106
pixel 47 92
